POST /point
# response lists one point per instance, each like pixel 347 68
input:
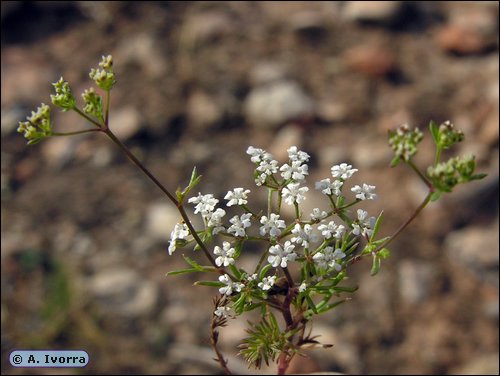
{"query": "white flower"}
pixel 204 203
pixel 180 232
pixel 318 214
pixel 222 311
pixel 239 224
pixel 327 258
pixel 364 193
pixel 256 154
pixel 214 219
pixel 280 256
pixel 238 196
pixel 328 188
pixel 267 283
pixel 292 193
pixel 364 225
pixel 297 155
pixel 230 285
pixel 267 167
pixel 252 277
pixel 343 171
pixel 302 287
pixel 331 230
pixel 271 225
pixel 297 171
pixel 303 235
pixel 225 254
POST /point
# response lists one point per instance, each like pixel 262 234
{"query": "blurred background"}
pixel 85 235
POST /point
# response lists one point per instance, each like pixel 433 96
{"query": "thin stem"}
pixel 86 117
pixel 269 201
pixel 106 111
pixel 438 155
pixel 179 206
pixel 77 132
pixel 424 203
pixel 420 175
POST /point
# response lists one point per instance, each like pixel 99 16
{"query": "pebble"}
pixel 476 250
pixel 371 11
pixel 125 122
pixel 202 111
pixel 122 292
pixel 270 106
pixel 415 280
pixel 160 221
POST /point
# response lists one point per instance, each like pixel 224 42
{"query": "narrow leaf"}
pixel 433 127
pixel 377 226
pixel 182 271
pixel 375 265
pixel 209 283
pixel 311 304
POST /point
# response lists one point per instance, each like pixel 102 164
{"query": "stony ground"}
pixel 84 235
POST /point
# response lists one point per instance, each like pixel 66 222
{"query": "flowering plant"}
pixel 304 260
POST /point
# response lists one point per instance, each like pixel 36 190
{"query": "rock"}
pixel 125 122
pixel 269 106
pixel 415 280
pixel 486 364
pixel 122 292
pixel 10 120
pixel 141 50
pixel 371 11
pixel 472 29
pixel 476 249
pixel 202 111
pixel 309 24
pixel 204 27
pixel 291 135
pixel 160 221
pixel 371 61
pixel 266 72
pixel 59 151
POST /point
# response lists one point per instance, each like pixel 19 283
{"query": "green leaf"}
pixel 375 265
pixel 345 288
pixel 434 128
pixel 193 263
pixel 478 176
pixel 209 283
pixel 235 271
pixel 377 226
pixel 328 307
pixel 384 253
pixel 311 304
pixel 264 271
pixel 182 271
pixel 436 195
pixel 395 161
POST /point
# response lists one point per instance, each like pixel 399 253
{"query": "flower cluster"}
pixel 404 142
pixel 64 97
pixel 38 125
pixel 104 76
pixel 317 244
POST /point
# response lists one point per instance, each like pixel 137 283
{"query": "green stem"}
pixel 420 175
pixel 87 117
pixel 77 132
pixel 269 201
pixel 106 111
pixel 438 155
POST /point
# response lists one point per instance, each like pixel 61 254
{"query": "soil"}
pixel 83 257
